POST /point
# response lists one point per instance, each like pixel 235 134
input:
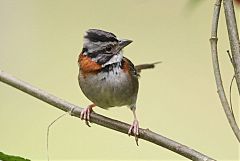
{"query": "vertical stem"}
pixel 217 73
pixel 233 37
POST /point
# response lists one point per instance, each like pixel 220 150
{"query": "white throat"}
pixel 115 59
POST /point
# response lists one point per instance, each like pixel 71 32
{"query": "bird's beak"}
pixel 123 43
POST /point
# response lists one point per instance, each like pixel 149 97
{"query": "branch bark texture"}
pixel 145 134
pixel 217 73
pixel 233 38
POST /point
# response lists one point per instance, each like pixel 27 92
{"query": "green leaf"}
pixel 5 157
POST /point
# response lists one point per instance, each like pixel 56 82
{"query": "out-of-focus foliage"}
pixel 5 157
pixel 191 5
pixel 194 3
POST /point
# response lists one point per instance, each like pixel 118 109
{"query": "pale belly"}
pixel 109 89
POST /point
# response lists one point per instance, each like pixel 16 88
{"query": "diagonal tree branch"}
pixel 233 38
pixel 217 73
pixel 145 134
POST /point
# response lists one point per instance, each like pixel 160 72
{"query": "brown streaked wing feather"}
pixel 130 65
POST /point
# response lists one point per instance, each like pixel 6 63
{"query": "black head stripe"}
pixel 103 59
pixel 84 50
pixel 95 35
pixel 95 53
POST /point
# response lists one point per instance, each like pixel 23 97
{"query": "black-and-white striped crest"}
pixel 95 35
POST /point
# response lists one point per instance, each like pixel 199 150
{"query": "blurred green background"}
pixel 40 42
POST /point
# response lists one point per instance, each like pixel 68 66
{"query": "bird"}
pixel 106 77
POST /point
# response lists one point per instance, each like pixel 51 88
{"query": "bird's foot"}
pixel 85 114
pixel 134 129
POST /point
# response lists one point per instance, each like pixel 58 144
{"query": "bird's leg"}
pixel 85 114
pixel 134 128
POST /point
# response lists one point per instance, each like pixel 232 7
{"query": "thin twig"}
pixel 145 134
pixel 230 57
pixel 233 38
pixel 230 88
pixel 48 130
pixel 230 96
pixel 217 73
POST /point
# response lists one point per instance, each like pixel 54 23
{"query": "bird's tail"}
pixel 140 67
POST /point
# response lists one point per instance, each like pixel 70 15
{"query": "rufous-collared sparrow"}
pixel 106 77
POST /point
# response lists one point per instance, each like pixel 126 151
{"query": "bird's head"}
pixel 103 47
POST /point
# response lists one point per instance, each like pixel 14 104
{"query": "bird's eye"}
pixel 109 48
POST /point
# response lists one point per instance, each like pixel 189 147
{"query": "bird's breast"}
pixel 115 87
